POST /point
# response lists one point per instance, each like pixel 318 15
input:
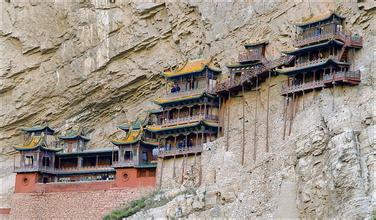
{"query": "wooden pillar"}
pixel 255 128
pixel 161 174
pixel 196 138
pixel 267 115
pixel 204 109
pixel 303 89
pixel 243 121
pixel 228 121
pixel 96 162
pixel 285 104
pixel 59 162
pixel 219 118
pixel 186 141
pixel 292 112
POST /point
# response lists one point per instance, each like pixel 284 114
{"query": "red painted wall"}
pixel 4 211
pixel 26 182
pixel 125 177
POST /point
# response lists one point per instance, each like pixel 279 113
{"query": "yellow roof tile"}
pixel 34 141
pixel 191 67
pixel 316 18
pixel 132 137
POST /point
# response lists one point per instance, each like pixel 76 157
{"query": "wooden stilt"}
pixel 161 174
pixel 243 135
pixel 267 116
pixel 285 105
pixel 182 169
pixel 303 90
pixel 200 172
pixel 228 121
pixel 292 112
pixel 173 166
pixel 219 113
pixel 255 129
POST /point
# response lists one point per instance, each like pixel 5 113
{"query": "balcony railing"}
pixel 353 40
pixel 247 75
pixel 343 76
pixel 313 62
pixel 248 56
pixel 302 87
pixel 189 119
pixel 163 152
pixel 35 168
pixel 83 168
pixel 126 163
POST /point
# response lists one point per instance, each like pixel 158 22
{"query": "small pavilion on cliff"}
pixel 323 56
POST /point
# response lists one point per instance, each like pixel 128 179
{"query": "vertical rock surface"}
pixel 97 64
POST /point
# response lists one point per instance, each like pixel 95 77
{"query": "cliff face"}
pixel 97 64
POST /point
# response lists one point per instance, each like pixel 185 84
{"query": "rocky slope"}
pixel 97 64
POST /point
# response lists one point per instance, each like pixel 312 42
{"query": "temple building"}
pixel 189 110
pixel 136 151
pixel 251 69
pixel 47 158
pixel 36 156
pixel 323 56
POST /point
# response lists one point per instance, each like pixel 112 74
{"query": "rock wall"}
pixel 182 171
pixel 97 64
pixel 68 205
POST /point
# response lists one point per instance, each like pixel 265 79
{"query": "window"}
pixel 29 160
pixel 142 173
pixel 46 161
pixel 128 155
pixel 144 156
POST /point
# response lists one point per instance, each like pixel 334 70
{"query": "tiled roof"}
pixel 154 128
pixel 298 50
pixel 179 98
pixel 34 143
pixel 318 18
pixel 192 67
pixel 256 43
pixel 290 70
pixel 72 134
pixel 38 128
pixel 132 137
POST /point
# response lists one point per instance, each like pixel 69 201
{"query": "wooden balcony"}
pixel 313 62
pixel 184 93
pixel 127 163
pixel 84 169
pixel 248 75
pixel 352 40
pixel 249 56
pixel 187 120
pixel 350 77
pixel 53 170
pixel 179 151
pixel 302 87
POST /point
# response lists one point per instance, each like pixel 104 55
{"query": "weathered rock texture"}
pixel 97 64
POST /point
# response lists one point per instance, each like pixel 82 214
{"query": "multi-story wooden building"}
pixel 189 110
pixel 136 152
pixel 323 57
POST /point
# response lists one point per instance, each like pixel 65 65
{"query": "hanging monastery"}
pixel 191 113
